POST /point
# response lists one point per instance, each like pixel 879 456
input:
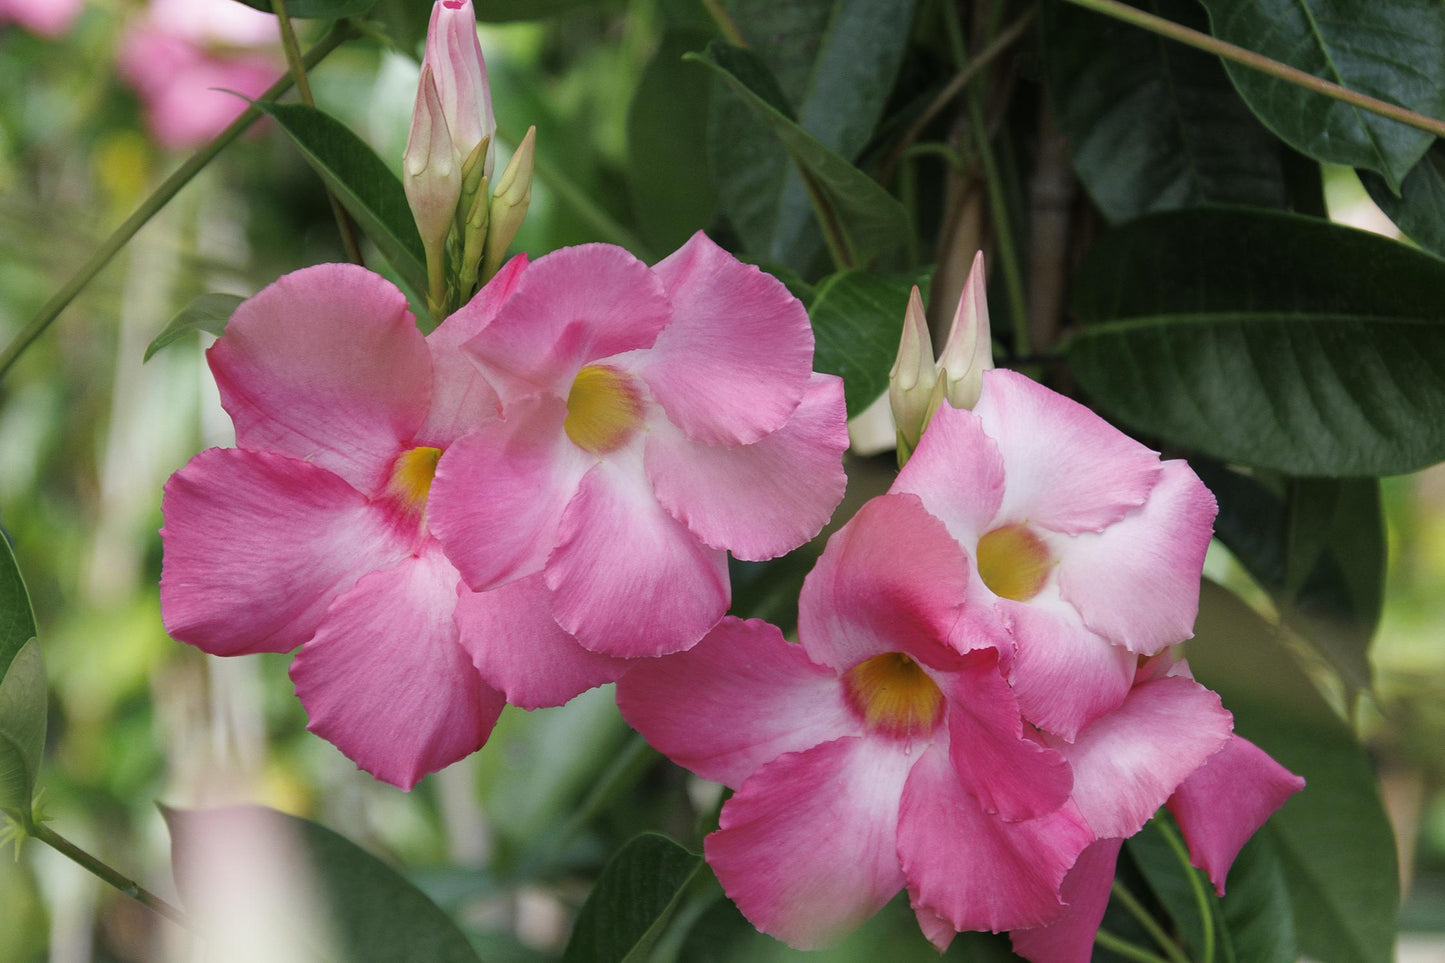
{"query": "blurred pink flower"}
pixel 49 18
pixel 312 532
pixel 182 56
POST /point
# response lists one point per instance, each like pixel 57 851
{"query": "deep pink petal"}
pixel 958 472
pixel 738 699
pixel 763 499
pixel 1064 675
pixel 326 365
pixel 258 545
pixel 1070 939
pixel 520 650
pixel 1225 801
pixel 735 360
pixel 499 493
pixel 974 870
pixel 627 578
pixel 385 680
pixel 1130 761
pixel 936 929
pixel 806 848
pixel 1137 582
pixel 571 307
pixel 1008 773
pixel 1067 469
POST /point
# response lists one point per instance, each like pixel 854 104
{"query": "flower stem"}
pixel 158 199
pixel 1240 55
pixel 1151 926
pixel 1126 949
pixel 123 883
pixel 1201 898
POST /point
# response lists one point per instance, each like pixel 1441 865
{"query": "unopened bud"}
pixel 432 175
pixel 968 352
pixel 509 203
pixel 911 381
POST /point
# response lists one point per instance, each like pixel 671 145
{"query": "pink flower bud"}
pixel 968 353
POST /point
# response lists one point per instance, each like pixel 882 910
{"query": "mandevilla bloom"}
pixel 49 18
pixel 653 419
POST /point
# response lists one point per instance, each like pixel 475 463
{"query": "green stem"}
pixel 123 883
pixel 1003 227
pixel 630 763
pixel 1151 926
pixel 151 205
pixel 1240 55
pixel 1201 897
pixel 725 24
pixel 1126 949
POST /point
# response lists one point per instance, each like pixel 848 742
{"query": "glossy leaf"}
pixel 857 323
pixel 1420 209
pixel 361 181
pixel 316 9
pixel 249 871
pixel 208 313
pixel 1153 125
pixel 22 691
pixel 636 895
pixel 1267 339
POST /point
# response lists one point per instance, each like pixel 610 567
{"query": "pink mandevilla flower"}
pixel 653 420
pixel 49 18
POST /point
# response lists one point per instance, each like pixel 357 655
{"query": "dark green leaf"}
pixel 1420 208
pixel 865 224
pixel 208 313
pixel 17 619
pixel 1392 51
pixel 1154 125
pixel 500 11
pixel 857 323
pixel 316 9
pixel 1267 339
pixel 633 899
pixel 22 691
pixel 361 181
pixel 373 914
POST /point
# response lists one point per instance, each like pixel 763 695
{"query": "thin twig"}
pixel 1126 949
pixel 106 873
pixel 1201 897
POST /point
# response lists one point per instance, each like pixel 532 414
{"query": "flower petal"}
pixel 326 365
pixel 1070 939
pixel 385 680
pixel 1226 800
pixel 1129 762
pixel 763 499
pixel 958 472
pixel 1137 582
pixel 573 306
pixel 806 847
pixel 735 360
pixel 256 546
pixel 974 870
pixel 737 700
pixel 628 579
pixel 520 649
pixel 1068 470
pixel 936 929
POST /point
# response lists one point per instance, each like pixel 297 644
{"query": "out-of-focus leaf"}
pixel 632 902
pixel 1153 125
pixel 247 872
pixel 1333 839
pixel 1267 339
pixel 208 313
pixel 1392 51
pixel 868 226
pixel 1420 208
pixel 316 9
pixel 501 11
pixel 857 323
pixel 362 182
pixel 22 692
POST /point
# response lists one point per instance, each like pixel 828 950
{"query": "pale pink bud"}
pixel 910 383
pixel 968 352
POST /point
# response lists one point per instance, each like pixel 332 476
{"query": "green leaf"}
pixel 316 9
pixel 1334 842
pixel 1267 339
pixel 634 898
pixel 362 182
pixel 371 914
pixel 22 692
pixel 857 323
pixel 865 224
pixel 1391 51
pixel 208 313
pixel 1420 208
pixel 502 11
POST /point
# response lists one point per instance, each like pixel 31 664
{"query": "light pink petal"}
pixel 520 650
pixel 806 848
pixel 326 365
pixel 499 493
pixel 958 472
pixel 385 681
pixel 936 929
pixel 257 545
pixel 738 699
pixel 1225 801
pixel 50 18
pixel 571 307
pixel 1010 774
pixel 974 870
pixel 735 360
pixel 763 499
pixel 1137 582
pixel 1063 675
pixel 1067 469
pixel 891 580
pixel 1130 761
pixel 1070 939
pixel 627 578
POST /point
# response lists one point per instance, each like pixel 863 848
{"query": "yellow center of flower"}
pixel 894 695
pixel 1013 562
pixel 412 474
pixel 603 409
